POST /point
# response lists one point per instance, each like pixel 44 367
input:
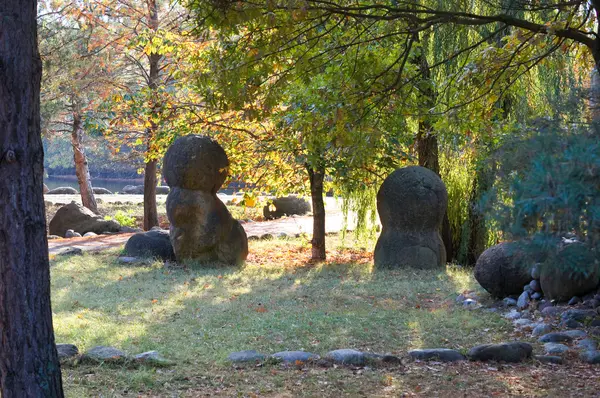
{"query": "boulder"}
pixel 591 357
pixel 162 190
pixel 288 206
pixel 62 191
pixel 501 270
pixel 577 274
pixel 246 356
pixel 347 357
pixel 437 354
pixel 549 359
pixel 105 354
pixel 155 243
pixel 196 162
pixel 66 351
pixel 133 190
pixel 507 352
pixel 555 337
pixel 202 229
pixel 78 218
pixel 45 188
pixel 102 191
pixel 411 204
pixel 555 348
pixel 293 356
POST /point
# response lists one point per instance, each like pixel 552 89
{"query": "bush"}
pixel 125 219
pixel 547 194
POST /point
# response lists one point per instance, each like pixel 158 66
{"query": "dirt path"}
pixel 288 225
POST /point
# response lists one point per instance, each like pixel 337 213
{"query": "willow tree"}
pixel 432 50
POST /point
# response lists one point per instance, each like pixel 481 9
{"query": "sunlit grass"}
pixel 198 316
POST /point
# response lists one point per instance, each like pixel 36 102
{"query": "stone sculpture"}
pixel 202 228
pixel 411 204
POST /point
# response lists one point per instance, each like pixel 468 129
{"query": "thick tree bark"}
pixel 29 364
pixel 82 170
pixel 316 192
pixel 150 210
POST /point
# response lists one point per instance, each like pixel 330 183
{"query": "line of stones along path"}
pixel 291 226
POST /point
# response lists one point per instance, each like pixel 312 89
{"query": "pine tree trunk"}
pixel 316 192
pixel 29 364
pixel 150 210
pixel 81 165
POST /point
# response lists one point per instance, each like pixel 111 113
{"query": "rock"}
pixel 555 337
pixel 347 357
pixel 196 162
pixel 523 301
pixel 52 237
pixel 579 315
pixel 282 235
pixel 576 334
pixel 535 272
pixel 595 331
pixel 68 251
pixel 541 329
pixel 574 301
pixel 587 345
pixel 592 304
pixel 461 298
pixel 202 228
pixel 66 351
pixel 555 348
pixel 105 354
pixel 130 229
pixel 128 260
pixel 62 191
pixel 437 354
pixel 552 311
pixel 507 352
pixel 470 303
pixel 524 323
pixel 536 296
pixel 509 302
pixel 411 204
pixel 89 234
pixel 154 243
pixel 570 324
pixel 527 289
pixel 45 188
pixel 133 190
pixel 535 286
pixel 152 358
pixel 246 356
pixel 267 237
pixel 72 234
pixel 288 206
pixel 253 237
pixel 549 359
pixel 76 217
pixel 512 315
pixel 595 322
pixel 562 283
pixel 591 357
pixel 163 190
pixel 293 356
pixel 501 270
pixel 101 191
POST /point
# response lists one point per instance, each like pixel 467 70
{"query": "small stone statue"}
pixel 411 204
pixel 202 228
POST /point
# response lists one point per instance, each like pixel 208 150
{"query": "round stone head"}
pixel 196 162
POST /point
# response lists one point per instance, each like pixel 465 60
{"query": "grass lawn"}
pixel 277 302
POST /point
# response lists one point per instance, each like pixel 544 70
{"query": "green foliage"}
pixel 126 219
pixel 548 191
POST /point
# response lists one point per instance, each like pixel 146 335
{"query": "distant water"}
pixel 111 185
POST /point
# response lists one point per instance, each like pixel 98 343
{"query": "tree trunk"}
pixel 316 192
pixel 150 210
pixel 29 364
pixel 427 143
pixel 477 238
pixel 81 165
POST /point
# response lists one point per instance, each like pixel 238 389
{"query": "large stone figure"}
pixel 411 204
pixel 202 228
